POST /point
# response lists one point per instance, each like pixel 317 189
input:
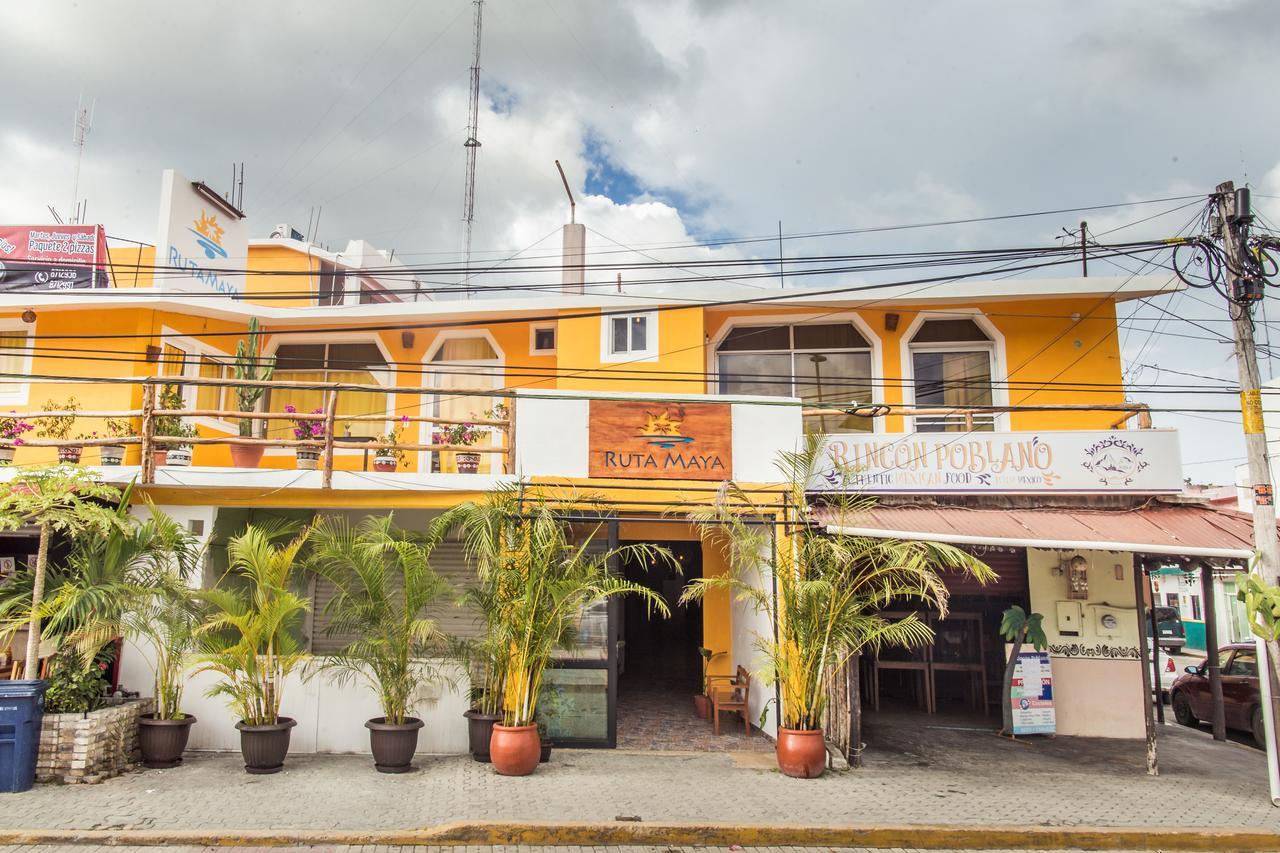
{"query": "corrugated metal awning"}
pixel 1191 531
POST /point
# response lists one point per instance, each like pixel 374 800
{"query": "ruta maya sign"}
pixel 660 441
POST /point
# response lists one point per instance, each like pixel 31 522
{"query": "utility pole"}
pixel 1245 287
pixel 472 146
pixel 1084 248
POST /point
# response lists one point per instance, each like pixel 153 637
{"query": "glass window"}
pixel 13 360
pixel 628 334
pixel 951 373
pixel 352 363
pixel 1245 664
pixel 827 363
pixel 949 331
pixel 211 396
pixel 544 340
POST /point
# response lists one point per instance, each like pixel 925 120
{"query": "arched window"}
pixel 465 362
pixel 951 363
pixel 357 363
pixel 819 363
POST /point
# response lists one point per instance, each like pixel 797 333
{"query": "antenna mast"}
pixel 79 132
pixel 472 145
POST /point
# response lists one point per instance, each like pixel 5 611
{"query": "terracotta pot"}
pixel 70 454
pixel 162 742
pixel 111 454
pixel 246 455
pixel 264 747
pixel 802 754
pixel 393 744
pixel 702 706
pixel 479 732
pixel 158 457
pixel 308 459
pixel 385 464
pixel 515 750
pixel 468 463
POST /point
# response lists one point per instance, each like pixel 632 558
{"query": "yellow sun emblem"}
pixel 208 226
pixel 662 424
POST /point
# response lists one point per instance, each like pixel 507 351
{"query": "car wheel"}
pixel 1182 710
pixel 1259 729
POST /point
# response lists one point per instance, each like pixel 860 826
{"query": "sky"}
pixel 679 123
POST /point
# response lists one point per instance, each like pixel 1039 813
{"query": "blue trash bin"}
pixel 21 710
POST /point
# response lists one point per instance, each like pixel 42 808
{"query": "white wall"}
pixel 748 626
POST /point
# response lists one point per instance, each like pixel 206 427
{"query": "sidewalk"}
pixel 914 776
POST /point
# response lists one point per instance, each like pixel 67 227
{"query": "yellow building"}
pixel 954 404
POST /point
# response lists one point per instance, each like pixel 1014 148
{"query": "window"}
pixel 819 363
pixel 469 362
pixel 951 362
pixel 1171 599
pixel 1195 607
pixel 1244 664
pixel 13 363
pixel 332 284
pixel 355 363
pixel 635 335
pixel 542 340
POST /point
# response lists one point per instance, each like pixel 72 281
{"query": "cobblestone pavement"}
pixel 369 848
pixel 914 774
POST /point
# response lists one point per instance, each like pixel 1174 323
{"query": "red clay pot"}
pixel 702 706
pixel 802 754
pixel 246 455
pixel 159 457
pixel 515 750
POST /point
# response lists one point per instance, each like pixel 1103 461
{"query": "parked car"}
pixel 1241 697
pixel 1168 670
pixel 1165 624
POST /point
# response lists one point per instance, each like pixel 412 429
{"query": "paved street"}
pixel 508 849
pixel 914 775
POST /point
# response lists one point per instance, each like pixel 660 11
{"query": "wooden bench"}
pixel 730 693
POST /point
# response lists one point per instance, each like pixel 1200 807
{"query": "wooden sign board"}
pixel 661 441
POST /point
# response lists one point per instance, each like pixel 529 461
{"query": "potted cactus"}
pixel 250 365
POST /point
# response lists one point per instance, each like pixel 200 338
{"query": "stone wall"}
pixel 87 748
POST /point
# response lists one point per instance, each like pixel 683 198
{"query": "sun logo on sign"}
pixel 664 429
pixel 209 235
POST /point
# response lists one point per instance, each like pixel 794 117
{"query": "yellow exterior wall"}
pixel 131 266
pixel 676 370
pixel 259 285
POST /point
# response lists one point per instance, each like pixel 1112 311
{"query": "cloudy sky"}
pixel 677 122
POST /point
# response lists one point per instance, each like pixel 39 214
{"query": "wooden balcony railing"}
pixel 148 416
pixel 970 415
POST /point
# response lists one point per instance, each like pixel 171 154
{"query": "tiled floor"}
pixel 656 715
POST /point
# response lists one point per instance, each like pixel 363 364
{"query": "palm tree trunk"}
pixel 1008 681
pixel 32 666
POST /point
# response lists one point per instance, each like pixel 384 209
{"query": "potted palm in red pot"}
pixel 830 589
pixel 384 584
pixel 249 639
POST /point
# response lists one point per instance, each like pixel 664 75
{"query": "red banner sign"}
pixel 52 257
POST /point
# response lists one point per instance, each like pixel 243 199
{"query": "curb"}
pixel 626 833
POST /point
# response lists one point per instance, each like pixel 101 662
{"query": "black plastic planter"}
pixel 393 745
pixel 162 742
pixel 264 747
pixel 479 731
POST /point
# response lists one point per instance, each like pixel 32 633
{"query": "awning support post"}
pixel 1211 649
pixel 1139 565
pixel 1148 566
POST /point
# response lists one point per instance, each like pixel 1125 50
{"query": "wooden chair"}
pixel 732 693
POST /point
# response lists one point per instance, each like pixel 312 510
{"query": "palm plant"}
pixel 1018 627
pixel 538 583
pixel 248 637
pixel 384 583
pixel 830 588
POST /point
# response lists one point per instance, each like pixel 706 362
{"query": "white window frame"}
pixel 534 328
pixel 385 378
pixel 994 346
pixel 190 347
pixel 877 364
pixel 22 396
pixel 427 402
pixel 649 353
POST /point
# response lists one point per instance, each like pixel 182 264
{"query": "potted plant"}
pixel 248 638
pixel 58 426
pixel 542 581
pixel 384 584
pixel 308 456
pixel 172 426
pixel 12 426
pixel 388 459
pixel 701 702
pixel 113 454
pixel 830 589
pixel 465 435
pixel 250 365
